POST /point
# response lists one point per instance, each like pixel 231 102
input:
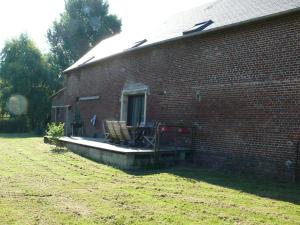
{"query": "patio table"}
pixel 137 133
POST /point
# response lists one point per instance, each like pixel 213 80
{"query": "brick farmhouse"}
pixel 231 68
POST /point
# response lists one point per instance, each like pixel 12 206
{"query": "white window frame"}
pixel 89 98
pixel 124 102
pixel 66 107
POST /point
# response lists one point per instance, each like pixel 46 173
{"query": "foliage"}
pixel 14 125
pixel 83 24
pixel 55 131
pixel 25 72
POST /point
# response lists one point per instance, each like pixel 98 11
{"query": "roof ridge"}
pixel 222 12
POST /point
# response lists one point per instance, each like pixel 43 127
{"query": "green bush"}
pixel 54 132
pixel 17 125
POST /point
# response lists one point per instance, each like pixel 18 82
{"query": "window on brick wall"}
pixel 133 106
pixel 135 110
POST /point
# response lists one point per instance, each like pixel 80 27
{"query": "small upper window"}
pixel 198 27
pixel 139 43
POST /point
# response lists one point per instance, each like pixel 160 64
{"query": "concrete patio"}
pixel 122 156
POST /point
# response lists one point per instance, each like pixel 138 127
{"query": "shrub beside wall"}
pixel 54 132
pixel 19 125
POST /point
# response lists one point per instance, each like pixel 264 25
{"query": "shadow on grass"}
pixel 261 187
pixel 59 150
pixel 287 192
pixel 18 135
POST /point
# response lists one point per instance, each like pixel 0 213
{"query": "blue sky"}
pixel 36 16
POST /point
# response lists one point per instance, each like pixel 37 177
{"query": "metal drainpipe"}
pixel 67 119
pixel 157 144
pixel 297 163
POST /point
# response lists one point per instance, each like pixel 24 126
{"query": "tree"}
pixel 83 24
pixel 24 74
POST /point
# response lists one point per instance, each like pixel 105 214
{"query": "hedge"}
pixel 14 126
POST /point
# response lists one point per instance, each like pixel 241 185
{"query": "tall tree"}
pixel 83 24
pixel 24 72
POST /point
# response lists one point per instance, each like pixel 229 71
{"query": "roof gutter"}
pixel 245 22
pixel 58 92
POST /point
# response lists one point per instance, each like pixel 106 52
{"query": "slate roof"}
pixel 221 12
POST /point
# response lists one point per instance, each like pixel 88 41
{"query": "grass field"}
pixel 39 185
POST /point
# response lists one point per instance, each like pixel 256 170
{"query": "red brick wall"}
pixel 248 80
pixel 58 100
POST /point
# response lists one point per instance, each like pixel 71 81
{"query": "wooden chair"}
pixel 105 130
pixel 77 129
pixel 118 132
pixel 124 131
pixel 111 130
pixel 117 129
pixel 126 134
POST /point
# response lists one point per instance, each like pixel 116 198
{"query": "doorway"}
pixel 135 110
pixel 134 105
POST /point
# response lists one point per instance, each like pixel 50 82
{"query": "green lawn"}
pixel 42 186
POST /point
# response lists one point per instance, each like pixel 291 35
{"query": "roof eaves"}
pixel 58 92
pixel 245 22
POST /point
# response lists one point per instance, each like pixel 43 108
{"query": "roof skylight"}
pixel 198 27
pixel 86 61
pixel 139 43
